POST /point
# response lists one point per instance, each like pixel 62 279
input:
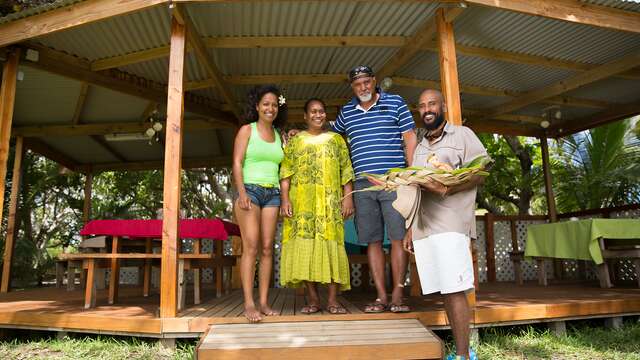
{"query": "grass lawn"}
pixel 584 340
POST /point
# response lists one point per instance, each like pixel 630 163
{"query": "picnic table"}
pixel 589 239
pixel 129 232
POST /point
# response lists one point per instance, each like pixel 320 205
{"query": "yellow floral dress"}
pixel 313 239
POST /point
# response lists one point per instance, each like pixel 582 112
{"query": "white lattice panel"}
pixel 625 267
pixel 481 253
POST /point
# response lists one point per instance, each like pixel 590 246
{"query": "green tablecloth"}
pixel 577 239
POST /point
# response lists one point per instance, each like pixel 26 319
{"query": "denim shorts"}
pixel 263 196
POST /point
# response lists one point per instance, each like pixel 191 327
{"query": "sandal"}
pixel 399 308
pixel 336 309
pixel 376 307
pixel 310 309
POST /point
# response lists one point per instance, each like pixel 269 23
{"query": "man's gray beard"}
pixel 365 98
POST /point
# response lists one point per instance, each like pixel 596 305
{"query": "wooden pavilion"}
pixel 79 74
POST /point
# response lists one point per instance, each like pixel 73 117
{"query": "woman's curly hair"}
pixel 253 98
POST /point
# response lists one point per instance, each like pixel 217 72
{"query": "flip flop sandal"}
pixel 376 307
pixel 336 309
pixel 399 308
pixel 310 309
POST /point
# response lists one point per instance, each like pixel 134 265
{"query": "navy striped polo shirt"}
pixel 375 136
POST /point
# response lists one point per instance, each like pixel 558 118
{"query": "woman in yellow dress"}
pixel 315 176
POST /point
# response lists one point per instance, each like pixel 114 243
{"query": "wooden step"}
pixel 356 339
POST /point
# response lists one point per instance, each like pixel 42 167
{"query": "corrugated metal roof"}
pixel 120 107
pixel 54 95
pixel 82 149
pixel 615 90
pixel 115 36
pixel 485 27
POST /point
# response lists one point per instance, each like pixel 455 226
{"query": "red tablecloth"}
pixel 215 229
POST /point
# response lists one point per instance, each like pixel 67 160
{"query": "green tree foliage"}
pixel 515 184
pixel 597 168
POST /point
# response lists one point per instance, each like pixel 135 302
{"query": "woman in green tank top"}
pixel 257 153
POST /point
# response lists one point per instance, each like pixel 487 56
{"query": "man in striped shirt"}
pixel 377 126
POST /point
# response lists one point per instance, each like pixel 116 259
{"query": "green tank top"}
pixel 262 160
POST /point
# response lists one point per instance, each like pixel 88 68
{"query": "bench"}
pixel 93 261
pixel 615 251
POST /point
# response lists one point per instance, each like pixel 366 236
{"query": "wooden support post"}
pixel 551 202
pixel 197 281
pixel 516 255
pixel 11 221
pixel 172 169
pixel 147 269
pixel 90 288
pixel 448 69
pixel 7 102
pixel 490 247
pixel 542 271
pixel 114 278
pixel 218 246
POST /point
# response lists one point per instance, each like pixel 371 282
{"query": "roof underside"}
pixel 47 99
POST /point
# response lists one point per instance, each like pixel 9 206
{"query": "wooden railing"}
pixel 490 219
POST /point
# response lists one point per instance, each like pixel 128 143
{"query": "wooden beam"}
pixel 79 69
pixel 593 75
pixel 572 11
pixel 40 147
pixel 9 242
pixel 107 128
pixel 448 69
pixel 7 103
pixel 172 172
pixel 195 163
pixel 612 114
pixel 260 42
pixel 206 61
pixel 488 91
pixel 504 128
pixel 68 17
pixel 84 88
pixel 546 168
pixel 423 35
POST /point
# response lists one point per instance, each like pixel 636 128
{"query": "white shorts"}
pixel 444 263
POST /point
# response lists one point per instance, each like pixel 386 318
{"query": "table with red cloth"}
pixel 125 232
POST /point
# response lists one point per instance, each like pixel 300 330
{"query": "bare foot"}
pixel 252 314
pixel 268 311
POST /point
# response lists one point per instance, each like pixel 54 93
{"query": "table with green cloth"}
pixel 578 239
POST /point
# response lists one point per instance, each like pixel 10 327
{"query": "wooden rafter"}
pixel 82 97
pixel 423 36
pixel 206 61
pixel 69 17
pixel 72 67
pixel 349 41
pixel 614 113
pixel 593 75
pixel 42 148
pixel 105 128
pixel 108 147
pixel 572 11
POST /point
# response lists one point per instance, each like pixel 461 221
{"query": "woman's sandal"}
pixel 399 308
pixel 376 307
pixel 336 309
pixel 310 309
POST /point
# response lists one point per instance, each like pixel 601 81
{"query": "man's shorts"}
pixel 444 263
pixel 263 196
pixel 373 212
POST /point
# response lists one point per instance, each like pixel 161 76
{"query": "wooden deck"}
pixel 497 304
